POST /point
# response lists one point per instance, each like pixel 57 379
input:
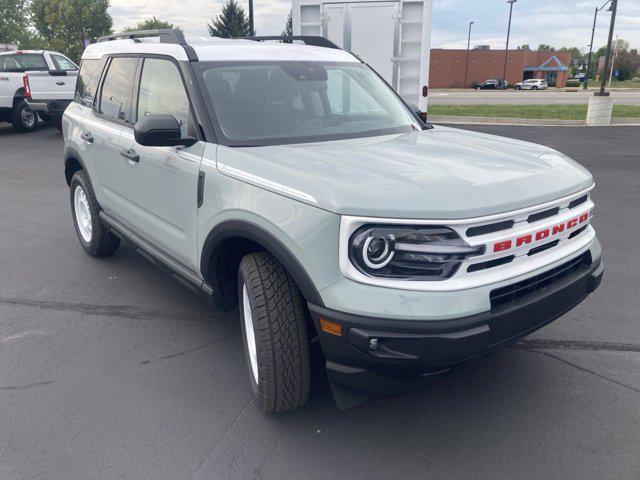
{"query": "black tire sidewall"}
pixel 17 117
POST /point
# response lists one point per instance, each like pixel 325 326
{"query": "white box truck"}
pixel 394 37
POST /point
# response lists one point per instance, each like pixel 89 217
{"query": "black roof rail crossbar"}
pixel 315 41
pixel 166 35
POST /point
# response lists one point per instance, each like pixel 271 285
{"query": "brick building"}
pixel 446 69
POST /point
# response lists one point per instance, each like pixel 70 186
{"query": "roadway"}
pixel 512 97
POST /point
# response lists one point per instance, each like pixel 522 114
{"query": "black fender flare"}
pixel 70 154
pixel 257 234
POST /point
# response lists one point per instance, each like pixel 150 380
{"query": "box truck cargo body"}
pixel 394 37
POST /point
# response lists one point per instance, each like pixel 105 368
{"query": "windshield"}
pixel 292 102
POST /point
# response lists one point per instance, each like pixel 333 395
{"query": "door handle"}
pixel 60 83
pixel 131 155
pixel 87 137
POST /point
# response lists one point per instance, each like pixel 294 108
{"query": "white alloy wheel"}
pixel 83 214
pixel 28 117
pixel 250 334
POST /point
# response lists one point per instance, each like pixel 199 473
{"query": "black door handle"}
pixel 87 137
pixel 131 155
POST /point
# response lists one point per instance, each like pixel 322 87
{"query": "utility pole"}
pixel 466 65
pixel 251 29
pixel 593 31
pixel 613 61
pixel 506 50
pixel 603 81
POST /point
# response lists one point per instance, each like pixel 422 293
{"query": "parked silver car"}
pixel 291 183
pixel 533 84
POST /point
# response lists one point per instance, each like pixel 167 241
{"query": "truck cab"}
pixel 35 83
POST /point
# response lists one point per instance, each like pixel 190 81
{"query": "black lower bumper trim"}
pixel 373 353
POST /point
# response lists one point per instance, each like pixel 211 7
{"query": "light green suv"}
pixel 291 182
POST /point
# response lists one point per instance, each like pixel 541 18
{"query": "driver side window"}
pixel 162 92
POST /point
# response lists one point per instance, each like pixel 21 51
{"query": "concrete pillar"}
pixel 599 112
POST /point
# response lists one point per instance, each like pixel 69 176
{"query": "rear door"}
pixel 159 184
pixel 56 82
pixel 103 127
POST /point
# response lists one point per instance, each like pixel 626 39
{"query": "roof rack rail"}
pixel 166 35
pixel 315 41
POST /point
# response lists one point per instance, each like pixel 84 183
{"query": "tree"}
pixel 545 48
pixel 13 21
pixel 150 24
pixel 575 52
pixel 288 27
pixel 64 24
pixel 524 47
pixel 231 23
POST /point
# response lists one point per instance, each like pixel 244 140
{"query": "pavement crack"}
pixel 535 344
pixel 23 387
pixel 174 355
pixel 586 370
pixel 121 311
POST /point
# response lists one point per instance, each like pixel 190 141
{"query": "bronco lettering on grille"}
pixel 540 234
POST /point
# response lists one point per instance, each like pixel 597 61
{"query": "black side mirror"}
pixel 160 131
pixel 416 110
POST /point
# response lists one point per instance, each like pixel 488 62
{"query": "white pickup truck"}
pixel 35 81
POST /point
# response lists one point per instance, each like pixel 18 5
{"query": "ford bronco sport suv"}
pixel 290 181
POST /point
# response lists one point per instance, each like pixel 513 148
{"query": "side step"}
pixel 183 274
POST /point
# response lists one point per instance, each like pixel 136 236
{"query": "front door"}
pixel 160 184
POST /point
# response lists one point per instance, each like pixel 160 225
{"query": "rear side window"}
pixel 162 92
pixel 63 63
pixel 87 82
pixel 115 99
pixel 20 62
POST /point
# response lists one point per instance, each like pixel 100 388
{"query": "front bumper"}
pixel 383 355
pixel 52 107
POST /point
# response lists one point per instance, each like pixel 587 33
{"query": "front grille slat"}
pixel 511 293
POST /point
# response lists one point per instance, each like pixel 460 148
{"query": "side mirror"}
pixel 416 110
pixel 160 131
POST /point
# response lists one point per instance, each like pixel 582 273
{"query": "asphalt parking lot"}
pixel 109 368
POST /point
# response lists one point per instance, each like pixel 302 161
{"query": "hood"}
pixel 442 173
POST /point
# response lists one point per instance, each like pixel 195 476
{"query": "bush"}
pixel 635 79
pixel 572 83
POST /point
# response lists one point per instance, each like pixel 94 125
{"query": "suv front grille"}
pixel 516 291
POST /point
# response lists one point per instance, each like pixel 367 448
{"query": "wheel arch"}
pixel 72 163
pixel 228 242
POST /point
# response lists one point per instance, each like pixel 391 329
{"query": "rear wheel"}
pixel 274 330
pixel 92 233
pixel 24 119
pixel 534 88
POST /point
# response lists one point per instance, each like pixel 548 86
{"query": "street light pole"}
pixel 251 29
pixel 506 50
pixel 466 65
pixel 593 31
pixel 603 80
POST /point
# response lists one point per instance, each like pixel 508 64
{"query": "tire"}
pixel 274 331
pixel 518 87
pixel 534 88
pixel 92 233
pixel 23 118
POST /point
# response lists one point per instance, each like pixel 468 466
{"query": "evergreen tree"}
pixel 231 23
pixel 288 28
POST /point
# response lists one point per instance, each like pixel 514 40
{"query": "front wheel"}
pixel 273 319
pixel 534 88
pixel 23 118
pixel 518 87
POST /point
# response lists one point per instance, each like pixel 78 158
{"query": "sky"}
pixel 555 22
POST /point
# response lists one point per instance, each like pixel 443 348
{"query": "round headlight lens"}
pixel 377 252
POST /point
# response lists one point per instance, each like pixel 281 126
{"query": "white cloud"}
pixel 558 23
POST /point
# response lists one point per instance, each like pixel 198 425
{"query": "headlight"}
pixel 410 253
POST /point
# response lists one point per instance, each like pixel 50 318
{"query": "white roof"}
pixel 219 49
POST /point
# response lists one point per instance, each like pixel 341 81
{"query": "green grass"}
pixel 560 112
